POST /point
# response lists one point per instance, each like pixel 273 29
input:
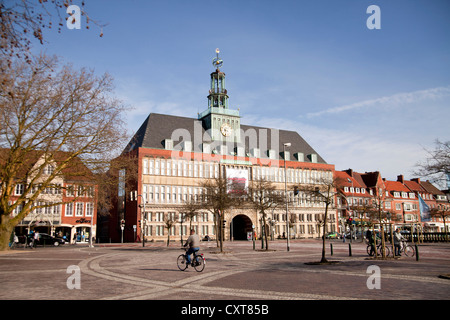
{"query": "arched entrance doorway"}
pixel 241 225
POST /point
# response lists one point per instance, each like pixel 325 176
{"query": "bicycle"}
pixel 379 250
pixel 407 249
pixel 198 262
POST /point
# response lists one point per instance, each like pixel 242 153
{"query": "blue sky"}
pixel 364 99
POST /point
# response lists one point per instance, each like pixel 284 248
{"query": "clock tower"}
pixel 223 123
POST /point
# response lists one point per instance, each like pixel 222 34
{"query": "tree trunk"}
pixel 323 260
pixel 6 228
pixel 264 226
pixel 383 243
pixel 222 230
pixel 216 228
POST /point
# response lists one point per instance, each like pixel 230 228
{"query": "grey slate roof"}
pixel 158 127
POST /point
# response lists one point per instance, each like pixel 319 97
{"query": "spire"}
pixel 217 97
pixel 223 123
pixel 217 62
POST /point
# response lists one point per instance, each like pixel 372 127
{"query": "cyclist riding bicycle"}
pixel 194 245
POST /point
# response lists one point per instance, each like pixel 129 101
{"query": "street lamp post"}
pixel 143 219
pixel 288 144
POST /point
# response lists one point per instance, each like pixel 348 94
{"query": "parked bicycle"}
pixel 198 262
pixel 407 249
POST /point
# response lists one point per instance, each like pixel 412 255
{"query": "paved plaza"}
pixel 133 272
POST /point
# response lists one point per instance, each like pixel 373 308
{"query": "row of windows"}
pixel 292 175
pixel 180 168
pixel 169 194
pixel 71 190
pixel 52 189
pixel 205 217
pixel 199 169
pixel 79 209
pixel 396 194
pixel 161 230
pixel 161 217
pixel 387 204
pixel 355 190
pixel 403 195
pixel 180 194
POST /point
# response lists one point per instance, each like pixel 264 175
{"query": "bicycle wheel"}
pixel 199 263
pixel 388 251
pixel 409 251
pixel 380 251
pixel 181 262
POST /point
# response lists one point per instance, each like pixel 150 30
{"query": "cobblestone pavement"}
pixel 130 271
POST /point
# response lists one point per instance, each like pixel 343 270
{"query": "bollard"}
pixel 349 249
pixel 417 252
pixel 331 248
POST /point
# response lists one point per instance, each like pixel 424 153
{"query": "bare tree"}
pixel 263 196
pixel 21 21
pixel 324 191
pixel 51 115
pixel 189 209
pixel 441 211
pixel 378 215
pixel 169 222
pixel 361 211
pixel 218 199
pixel 437 165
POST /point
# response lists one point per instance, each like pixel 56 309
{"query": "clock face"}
pixel 226 129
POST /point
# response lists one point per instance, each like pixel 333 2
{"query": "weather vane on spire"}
pixel 217 62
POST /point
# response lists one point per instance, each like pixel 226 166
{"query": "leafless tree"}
pixel 437 165
pixel 52 115
pixel 21 21
pixel 218 198
pixel 189 209
pixel 169 222
pixel 263 196
pixel 378 215
pixel 324 191
pixel 441 211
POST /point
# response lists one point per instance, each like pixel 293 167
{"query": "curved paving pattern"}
pixel 150 273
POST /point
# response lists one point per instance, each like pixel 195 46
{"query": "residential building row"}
pixel 67 207
pixel 399 201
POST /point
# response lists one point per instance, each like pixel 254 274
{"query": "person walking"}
pixel 370 238
pixel 194 245
pixel 35 238
pixel 397 242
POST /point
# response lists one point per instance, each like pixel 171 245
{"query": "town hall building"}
pixel 175 154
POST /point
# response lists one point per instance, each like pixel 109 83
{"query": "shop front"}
pixel 79 231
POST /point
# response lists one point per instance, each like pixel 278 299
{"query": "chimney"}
pixel 416 180
pixel 400 178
